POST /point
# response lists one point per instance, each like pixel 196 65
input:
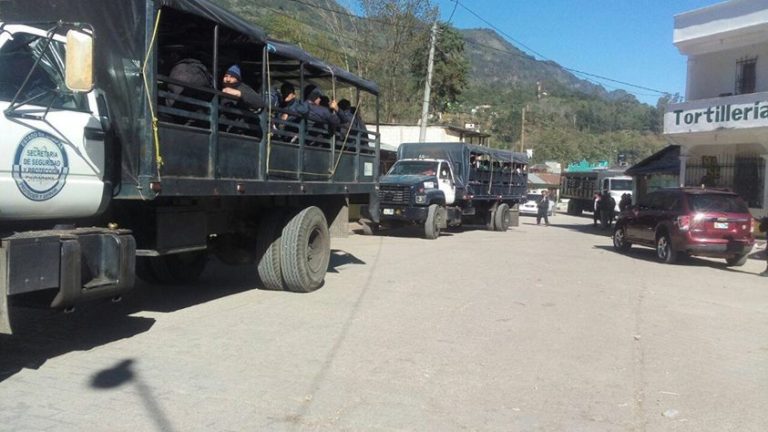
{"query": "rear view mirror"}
pixel 79 67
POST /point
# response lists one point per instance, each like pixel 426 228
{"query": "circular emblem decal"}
pixel 40 167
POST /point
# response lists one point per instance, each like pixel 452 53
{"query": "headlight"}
pixel 421 199
pixel 429 185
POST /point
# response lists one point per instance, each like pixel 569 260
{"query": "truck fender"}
pixel 436 196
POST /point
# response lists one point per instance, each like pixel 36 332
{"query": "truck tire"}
pixel 574 208
pixel 432 225
pixel 370 228
pixel 490 219
pixel 305 250
pixel 176 269
pixel 268 251
pixel 503 218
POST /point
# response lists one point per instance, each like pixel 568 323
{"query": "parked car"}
pixel 701 222
pixel 530 206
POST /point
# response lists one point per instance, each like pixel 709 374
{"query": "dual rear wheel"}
pixel 292 252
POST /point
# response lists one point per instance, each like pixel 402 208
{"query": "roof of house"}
pixel 544 179
pixel 664 161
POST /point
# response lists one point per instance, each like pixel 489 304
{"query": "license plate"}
pixel 721 225
pixel 388 211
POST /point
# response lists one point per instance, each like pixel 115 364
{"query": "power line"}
pixel 574 71
pixel 455 5
pixel 503 33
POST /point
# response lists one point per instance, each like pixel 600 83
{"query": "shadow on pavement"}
pixel 649 254
pixel 41 333
pixel 124 374
pixel 340 258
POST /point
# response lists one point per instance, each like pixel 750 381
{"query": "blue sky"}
pixel 626 40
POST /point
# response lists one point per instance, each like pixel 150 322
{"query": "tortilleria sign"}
pixel 684 118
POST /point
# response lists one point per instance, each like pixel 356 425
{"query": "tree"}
pixel 451 68
pixel 397 28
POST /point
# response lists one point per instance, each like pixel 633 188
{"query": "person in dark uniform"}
pixel 764 228
pixel 625 202
pixel 245 98
pixel 321 117
pixel 543 209
pixel 233 85
pixel 192 72
pixel 596 208
pixel 350 124
pixel 607 209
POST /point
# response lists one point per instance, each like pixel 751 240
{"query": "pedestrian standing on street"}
pixel 764 228
pixel 595 208
pixel 543 206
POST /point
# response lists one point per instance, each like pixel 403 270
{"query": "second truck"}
pixel 440 185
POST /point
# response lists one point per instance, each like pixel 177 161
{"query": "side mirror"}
pixel 79 67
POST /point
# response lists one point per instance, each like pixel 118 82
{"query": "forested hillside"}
pixel 479 78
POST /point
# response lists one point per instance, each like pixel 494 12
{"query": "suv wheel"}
pixel 664 250
pixel 620 240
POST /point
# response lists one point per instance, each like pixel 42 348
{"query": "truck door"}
pixel 446 183
pixel 52 145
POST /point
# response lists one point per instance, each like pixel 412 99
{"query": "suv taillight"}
pixel 684 223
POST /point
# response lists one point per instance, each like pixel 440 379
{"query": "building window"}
pixel 746 75
pixel 742 174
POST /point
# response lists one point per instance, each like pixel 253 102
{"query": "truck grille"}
pixel 394 194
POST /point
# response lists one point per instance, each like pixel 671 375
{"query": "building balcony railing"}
pixel 746 111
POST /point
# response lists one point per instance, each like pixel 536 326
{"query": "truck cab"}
pixel 617 186
pixel 52 135
pixel 414 187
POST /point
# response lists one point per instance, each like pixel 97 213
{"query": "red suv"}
pixel 703 222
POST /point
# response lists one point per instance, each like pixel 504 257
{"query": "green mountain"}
pixel 496 61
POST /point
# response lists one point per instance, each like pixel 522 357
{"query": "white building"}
pixel 722 128
pixel 392 135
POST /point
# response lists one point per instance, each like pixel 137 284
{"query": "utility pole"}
pixel 522 130
pixel 428 85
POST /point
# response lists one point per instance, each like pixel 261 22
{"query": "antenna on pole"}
pixel 428 85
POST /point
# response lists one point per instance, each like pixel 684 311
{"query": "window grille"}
pixel 746 75
pixel 741 174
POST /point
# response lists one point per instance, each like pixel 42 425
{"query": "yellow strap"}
pixel 269 122
pixel 155 129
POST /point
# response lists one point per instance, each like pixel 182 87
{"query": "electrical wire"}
pixel 501 32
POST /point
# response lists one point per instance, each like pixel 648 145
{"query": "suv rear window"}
pixel 706 203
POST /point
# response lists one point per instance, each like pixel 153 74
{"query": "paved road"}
pixel 536 329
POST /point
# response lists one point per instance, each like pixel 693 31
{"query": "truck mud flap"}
pixel 372 210
pixel 84 264
pixel 95 266
pixel 5 319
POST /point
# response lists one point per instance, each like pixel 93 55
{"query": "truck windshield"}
pixel 414 168
pixel 46 86
pixel 621 184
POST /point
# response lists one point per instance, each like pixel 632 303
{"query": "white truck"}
pixel 580 187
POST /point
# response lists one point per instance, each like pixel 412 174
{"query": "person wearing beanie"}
pixel 245 98
pixel 233 85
